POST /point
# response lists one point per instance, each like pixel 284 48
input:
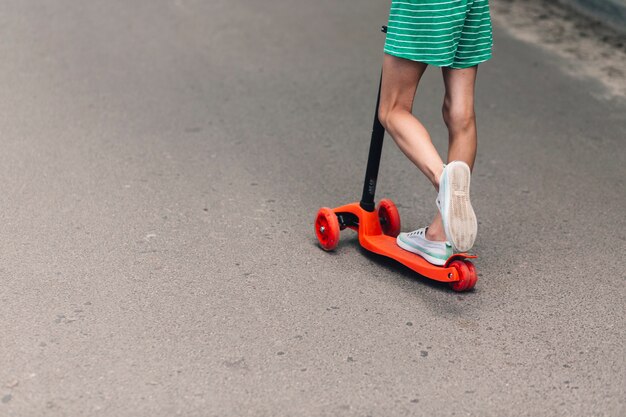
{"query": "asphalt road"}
pixel 161 164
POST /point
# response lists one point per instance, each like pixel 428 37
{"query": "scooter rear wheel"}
pixel 465 276
pixel 389 217
pixel 327 229
pixel 473 274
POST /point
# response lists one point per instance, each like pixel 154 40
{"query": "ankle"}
pixel 435 235
pixel 435 177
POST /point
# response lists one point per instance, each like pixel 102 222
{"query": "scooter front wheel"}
pixel 389 218
pixel 327 229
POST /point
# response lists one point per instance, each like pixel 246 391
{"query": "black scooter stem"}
pixel 373 160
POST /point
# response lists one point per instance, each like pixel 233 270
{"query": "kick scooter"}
pixel 379 226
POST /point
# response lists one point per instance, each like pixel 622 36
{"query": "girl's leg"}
pixel 458 113
pixel 459 116
pixel 399 84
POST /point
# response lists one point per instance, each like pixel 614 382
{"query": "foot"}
pixel 459 219
pixel 437 253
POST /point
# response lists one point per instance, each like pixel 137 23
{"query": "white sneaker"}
pixel 459 219
pixel 437 253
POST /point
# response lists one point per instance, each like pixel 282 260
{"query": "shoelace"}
pixel 419 232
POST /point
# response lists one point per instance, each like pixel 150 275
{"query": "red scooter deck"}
pixel 458 271
pixel 372 238
pixel 387 246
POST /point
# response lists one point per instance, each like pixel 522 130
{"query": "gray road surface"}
pixel 161 166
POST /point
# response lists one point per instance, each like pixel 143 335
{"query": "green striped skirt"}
pixel 445 33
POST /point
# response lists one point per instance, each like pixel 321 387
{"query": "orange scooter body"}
pixel 372 238
pixel 458 271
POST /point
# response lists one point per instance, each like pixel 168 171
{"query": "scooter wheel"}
pixel 389 218
pixel 465 276
pixel 327 228
pixel 473 274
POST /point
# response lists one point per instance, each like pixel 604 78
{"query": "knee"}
pixel 387 113
pixel 458 116
pixel 384 112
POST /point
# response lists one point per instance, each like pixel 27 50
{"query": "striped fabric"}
pixel 444 33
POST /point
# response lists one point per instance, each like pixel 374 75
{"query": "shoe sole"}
pixel 459 218
pixel 429 259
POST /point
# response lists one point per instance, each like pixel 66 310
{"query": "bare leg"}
pixel 458 113
pixel 399 84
